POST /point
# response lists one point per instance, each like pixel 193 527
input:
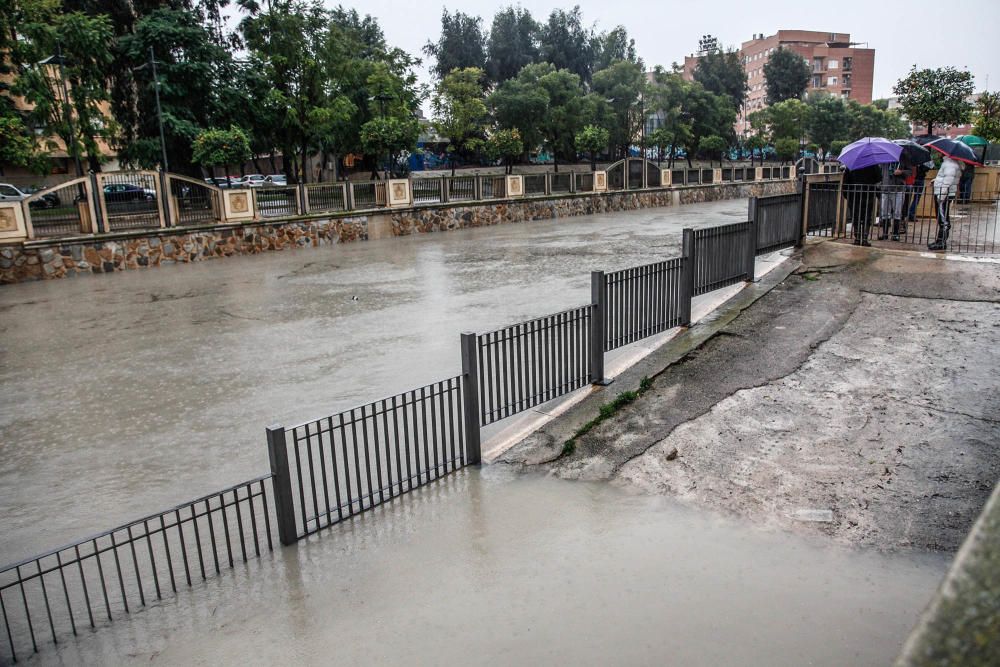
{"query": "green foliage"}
pixel 837 146
pixel 513 43
pixel 935 96
pixel 605 412
pixel 461 44
pixel 459 106
pixel 220 148
pixel 986 118
pixel 619 90
pixel 592 139
pixel 712 146
pixel 17 141
pixel 722 73
pixel 84 43
pixel 787 148
pixel 788 119
pixel 505 145
pixel 786 75
pixel 613 46
pixel 827 121
pixel 566 44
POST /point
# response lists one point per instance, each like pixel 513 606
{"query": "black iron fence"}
pixel 332 468
pixel 93 581
pixel 904 216
pixel 336 467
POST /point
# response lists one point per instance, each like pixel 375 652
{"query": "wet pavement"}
pixel 125 394
pixel 487 567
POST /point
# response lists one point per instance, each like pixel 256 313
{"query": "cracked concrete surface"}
pixel 865 384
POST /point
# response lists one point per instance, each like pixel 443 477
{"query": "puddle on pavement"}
pixel 494 568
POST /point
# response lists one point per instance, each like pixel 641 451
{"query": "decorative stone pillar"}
pixel 600 181
pixel 717 176
pixel 237 205
pixel 515 185
pixel 791 171
pixel 12 224
pixel 399 192
pixel 759 174
pixel 666 177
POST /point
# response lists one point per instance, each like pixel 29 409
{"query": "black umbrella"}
pixel 925 139
pixel 956 150
pixel 914 152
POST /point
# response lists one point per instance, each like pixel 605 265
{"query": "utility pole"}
pixel 159 112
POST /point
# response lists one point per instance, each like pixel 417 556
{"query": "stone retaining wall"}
pixel 58 258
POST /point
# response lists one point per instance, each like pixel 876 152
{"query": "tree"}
pixel 387 136
pixel 17 141
pixel 713 146
pixel 460 45
pixel 513 43
pixel 75 115
pixel 837 146
pixel 827 121
pixel 667 98
pixel 722 73
pixel 505 145
pixel 661 138
pixel 220 148
pixel 987 117
pixel 592 139
pixel 784 120
pixel 786 75
pixel 710 114
pixel 621 87
pixel 460 109
pixel 520 103
pixel 786 148
pixel 935 96
pixel 186 62
pixel 756 142
pixel 611 46
pixel 566 44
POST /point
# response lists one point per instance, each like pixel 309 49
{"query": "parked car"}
pixel 253 180
pixel 277 179
pixel 119 192
pixel 10 192
pixel 222 182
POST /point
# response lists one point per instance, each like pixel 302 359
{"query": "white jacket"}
pixel 946 181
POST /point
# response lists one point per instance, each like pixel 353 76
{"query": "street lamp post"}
pixel 159 112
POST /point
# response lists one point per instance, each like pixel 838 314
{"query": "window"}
pixel 817 64
pixel 848 62
pixel 816 83
pixel 831 81
pixel 845 93
pixel 8 191
pixel 831 64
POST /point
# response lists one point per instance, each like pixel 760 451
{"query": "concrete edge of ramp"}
pixel 961 625
pixel 562 422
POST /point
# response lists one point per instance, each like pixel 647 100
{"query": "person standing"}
pixel 893 186
pixel 945 185
pixel 859 191
pixel 919 184
pixel 965 183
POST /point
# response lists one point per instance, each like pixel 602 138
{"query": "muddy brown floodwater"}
pixel 488 568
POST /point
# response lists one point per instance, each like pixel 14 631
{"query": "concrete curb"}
pixel 960 625
pixel 566 422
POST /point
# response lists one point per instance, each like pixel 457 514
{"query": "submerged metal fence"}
pixel 640 301
pixel 91 582
pixel 335 467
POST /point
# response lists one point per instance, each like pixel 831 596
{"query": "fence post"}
pixel 470 399
pixel 687 281
pixel 97 194
pixel 572 181
pixel 349 192
pixel 598 299
pixel 284 510
pixel 477 187
pixel 804 201
pixel 303 199
pixel 444 189
pixel 751 251
pixel 165 196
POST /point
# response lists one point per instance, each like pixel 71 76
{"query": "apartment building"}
pixel 838 65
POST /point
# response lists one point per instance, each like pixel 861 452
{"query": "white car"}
pixel 253 181
pixel 10 192
pixel 277 179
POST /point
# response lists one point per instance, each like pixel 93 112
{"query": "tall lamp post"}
pixel 60 61
pixel 159 113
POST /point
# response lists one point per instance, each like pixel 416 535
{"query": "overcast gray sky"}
pixel 928 33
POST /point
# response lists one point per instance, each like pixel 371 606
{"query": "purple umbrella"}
pixel 868 151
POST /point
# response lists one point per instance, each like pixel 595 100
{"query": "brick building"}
pixel 837 65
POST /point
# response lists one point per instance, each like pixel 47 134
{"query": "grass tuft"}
pixel 606 411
